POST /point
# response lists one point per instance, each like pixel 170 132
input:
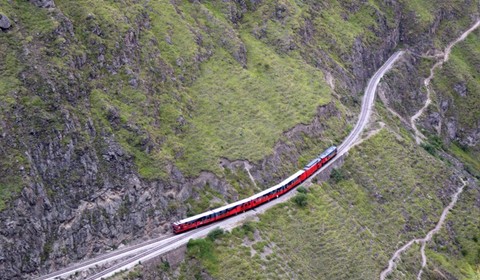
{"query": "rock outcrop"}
pixel 76 157
pixel 43 3
pixel 4 22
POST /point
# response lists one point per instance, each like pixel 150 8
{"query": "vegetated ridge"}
pixel 119 117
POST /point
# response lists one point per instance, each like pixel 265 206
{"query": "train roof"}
pixel 295 175
pixel 193 218
pixel 310 164
pixel 328 151
pixel 216 210
pixel 231 205
pixel 298 173
pixel 264 192
pixel 213 211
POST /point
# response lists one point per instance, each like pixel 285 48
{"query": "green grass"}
pixel 241 113
pixel 468 157
pixel 424 10
pixel 230 111
pixel 462 67
pixel 455 250
pixel 388 193
pixel 286 234
pixel 462 70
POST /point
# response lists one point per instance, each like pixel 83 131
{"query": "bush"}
pixel 302 190
pixel 433 144
pixel 430 149
pixel 248 227
pixel 200 249
pixel 164 266
pixel 301 199
pixel 337 175
pixel 436 142
pixel 215 234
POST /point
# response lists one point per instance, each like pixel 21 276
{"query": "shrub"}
pixel 302 190
pixel 200 249
pixel 429 148
pixel 215 234
pixel 301 199
pixel 164 265
pixel 337 175
pixel 248 227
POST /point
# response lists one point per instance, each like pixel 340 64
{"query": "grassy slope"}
pixel 389 191
pixel 463 68
pixel 455 251
pixel 457 247
pixel 14 96
pixel 195 102
pixel 242 112
pixel 151 112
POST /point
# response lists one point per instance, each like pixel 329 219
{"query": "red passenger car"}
pixel 257 199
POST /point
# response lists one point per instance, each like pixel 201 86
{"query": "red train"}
pixel 257 199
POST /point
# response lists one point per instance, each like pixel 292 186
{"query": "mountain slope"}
pixel 118 117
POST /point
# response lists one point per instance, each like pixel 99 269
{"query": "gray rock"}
pixel 461 89
pixel 281 11
pixel 434 119
pixel 133 82
pixel 444 105
pixel 43 3
pixel 4 22
pixel 451 129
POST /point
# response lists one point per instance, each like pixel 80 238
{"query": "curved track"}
pixel 150 249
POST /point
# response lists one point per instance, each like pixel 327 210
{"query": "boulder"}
pixel 461 89
pixel 43 3
pixel 4 22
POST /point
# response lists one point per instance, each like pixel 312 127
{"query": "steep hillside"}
pixel 117 117
pixel 388 197
pixel 388 192
pixel 457 102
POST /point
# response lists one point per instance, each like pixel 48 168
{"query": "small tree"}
pixel 214 234
pixel 248 227
pixel 301 199
pixel 429 148
pixel 302 190
pixel 337 175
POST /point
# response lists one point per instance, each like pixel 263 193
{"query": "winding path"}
pixel 423 241
pixel 419 137
pixel 149 250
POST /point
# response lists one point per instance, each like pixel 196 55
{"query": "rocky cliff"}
pixel 118 118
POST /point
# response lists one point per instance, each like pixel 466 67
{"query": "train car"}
pixel 318 162
pixel 257 199
pixel 328 154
